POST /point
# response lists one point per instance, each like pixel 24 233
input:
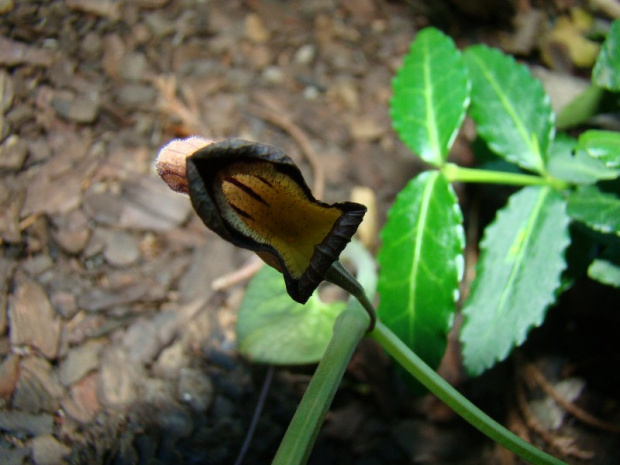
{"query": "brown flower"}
pixel 254 196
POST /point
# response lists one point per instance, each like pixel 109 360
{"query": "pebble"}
pixel 38 388
pixel 255 29
pixel 33 425
pixel 133 94
pixel 6 6
pixel 79 361
pixel 83 403
pixel 6 273
pixel 80 109
pixel 121 249
pixel 140 341
pixel 13 153
pixel 118 378
pixel 273 75
pixel 195 389
pixel 170 361
pixel 33 319
pixel 132 66
pixel 72 231
pixel 47 450
pixel 9 372
pixel 304 54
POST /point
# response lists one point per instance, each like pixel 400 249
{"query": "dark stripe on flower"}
pixel 241 212
pixel 264 180
pixel 247 189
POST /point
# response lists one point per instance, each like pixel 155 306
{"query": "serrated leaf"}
pixel 606 72
pixel 421 263
pixel 602 145
pixel 521 262
pixel 431 93
pixel 598 210
pixel 511 109
pixel 576 166
pixel 273 328
pixel 606 269
pixel 579 110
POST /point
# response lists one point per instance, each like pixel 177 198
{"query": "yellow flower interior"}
pixel 272 209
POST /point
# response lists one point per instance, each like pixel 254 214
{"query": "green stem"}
pixel 455 173
pixel 338 275
pixel 297 443
pixel 456 401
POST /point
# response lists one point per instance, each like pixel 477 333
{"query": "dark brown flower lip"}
pixel 202 169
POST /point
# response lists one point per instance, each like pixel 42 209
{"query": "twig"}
pixel 285 123
pixel 170 103
pixel 570 407
pixel 249 269
pixel 563 445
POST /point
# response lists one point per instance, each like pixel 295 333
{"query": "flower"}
pixel 254 196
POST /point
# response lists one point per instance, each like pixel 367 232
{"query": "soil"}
pixel 114 346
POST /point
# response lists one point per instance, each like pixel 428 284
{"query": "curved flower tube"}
pixel 254 196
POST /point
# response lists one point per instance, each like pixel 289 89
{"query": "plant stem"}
pixel 338 275
pixel 456 401
pixel 297 443
pixel 456 173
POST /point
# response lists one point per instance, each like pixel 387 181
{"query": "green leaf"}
pixel 511 110
pixel 273 328
pixel 606 269
pixel 431 93
pixel 421 264
pixel 602 145
pixel 599 210
pixel 583 107
pixel 521 262
pixel 579 168
pixel 606 72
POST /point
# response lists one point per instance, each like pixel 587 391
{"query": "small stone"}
pixel 170 361
pixel 83 404
pixel 37 264
pixel 65 303
pixel 47 450
pixel 107 8
pixel 159 25
pixel 304 54
pixel 14 455
pixel 133 66
pixel 9 372
pixel 6 6
pixel 195 389
pixel 175 422
pixel 72 231
pixel 118 378
pixel 255 29
pixel 38 388
pixel 80 109
pixel 136 94
pixel 140 342
pixel 34 425
pixel 15 53
pixel 33 319
pixel 273 75
pixel 13 152
pixel 121 249
pixel 79 361
pixel 365 129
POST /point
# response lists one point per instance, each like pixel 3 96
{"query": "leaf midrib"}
pixel 518 122
pixel 415 259
pixel 544 192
